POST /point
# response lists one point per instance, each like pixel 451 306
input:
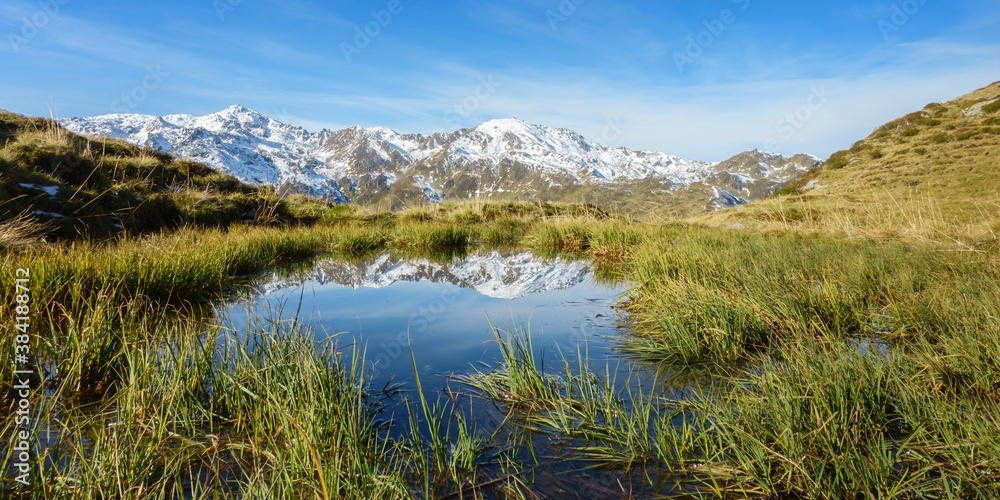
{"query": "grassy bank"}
pixel 838 368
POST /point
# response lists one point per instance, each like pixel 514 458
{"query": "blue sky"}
pixel 702 80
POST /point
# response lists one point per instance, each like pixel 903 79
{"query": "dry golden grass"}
pixel 932 174
pixel 21 232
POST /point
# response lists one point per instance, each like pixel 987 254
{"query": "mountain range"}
pixel 498 159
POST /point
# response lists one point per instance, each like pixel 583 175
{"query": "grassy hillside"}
pixel 59 185
pixel 930 174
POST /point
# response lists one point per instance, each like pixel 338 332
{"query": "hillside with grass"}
pixel 60 185
pixel 930 174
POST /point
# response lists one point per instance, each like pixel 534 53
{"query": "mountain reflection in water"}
pixel 442 310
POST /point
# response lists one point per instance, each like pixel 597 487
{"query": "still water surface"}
pixel 443 311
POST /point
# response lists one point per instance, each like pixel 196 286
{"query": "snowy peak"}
pixel 238 120
pixel 758 163
pixel 537 134
pixel 562 150
pixel 382 133
pixel 756 174
pixel 511 134
pixel 507 124
pixel 237 108
pixel 249 145
pixel 356 150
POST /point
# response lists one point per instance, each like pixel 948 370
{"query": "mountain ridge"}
pixel 504 158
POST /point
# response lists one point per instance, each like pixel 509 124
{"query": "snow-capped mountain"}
pixel 493 274
pixel 506 158
pixel 757 174
pixel 246 144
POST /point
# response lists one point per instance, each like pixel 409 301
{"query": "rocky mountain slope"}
pixel 500 159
